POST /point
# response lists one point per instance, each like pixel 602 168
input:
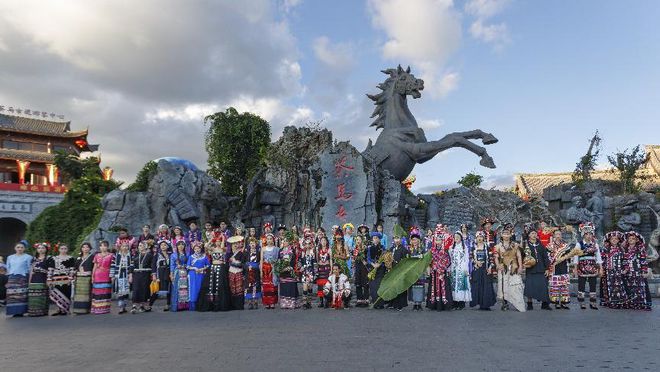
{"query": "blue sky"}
pixel 541 76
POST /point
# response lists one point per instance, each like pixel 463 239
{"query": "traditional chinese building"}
pixel 533 184
pixel 29 179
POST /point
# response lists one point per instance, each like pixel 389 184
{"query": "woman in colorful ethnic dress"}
pixel 37 285
pixel 253 275
pixel 160 272
pixel 416 250
pixel 636 271
pixel 460 271
pixel 215 287
pixel 559 279
pixel 588 265
pixel 361 272
pixel 308 271
pixel 141 279
pixel 509 269
pixel 481 282
pixel 237 263
pixel 121 273
pixel 340 252
pixel 536 276
pixel 197 265
pixel 101 283
pixel 439 293
pixel 60 276
pixel 288 274
pixel 269 281
pixel 613 288
pixel 324 266
pixel 178 261
pixel 18 270
pixel 82 297
pixel 177 236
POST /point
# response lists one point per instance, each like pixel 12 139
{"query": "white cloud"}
pixel 143 74
pixel 496 34
pixel 338 56
pixel 429 124
pixel 485 8
pixel 425 33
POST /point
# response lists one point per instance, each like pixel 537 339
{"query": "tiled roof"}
pixel 534 184
pixel 38 126
pixel 42 157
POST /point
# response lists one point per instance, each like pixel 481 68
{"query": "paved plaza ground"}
pixel 325 340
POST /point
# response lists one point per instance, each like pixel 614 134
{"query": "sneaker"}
pixel 593 307
pixel 530 306
pixel 134 310
pixel 123 311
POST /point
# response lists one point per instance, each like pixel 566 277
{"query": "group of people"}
pixel 217 269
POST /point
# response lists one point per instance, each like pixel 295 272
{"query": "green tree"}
pixel 72 219
pixel 237 145
pixel 471 180
pixel 587 163
pixel 143 177
pixel 627 163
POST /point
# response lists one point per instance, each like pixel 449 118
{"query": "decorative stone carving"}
pixel 402 144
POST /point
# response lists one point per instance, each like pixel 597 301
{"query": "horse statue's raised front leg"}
pixel 422 152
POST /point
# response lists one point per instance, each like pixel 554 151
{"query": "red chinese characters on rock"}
pixel 342 194
pixel 341 213
pixel 342 169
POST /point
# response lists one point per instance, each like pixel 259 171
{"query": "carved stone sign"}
pixel 345 186
pixel 15 207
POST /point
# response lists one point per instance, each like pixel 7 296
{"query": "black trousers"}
pixel 154 297
pixel 582 283
pixel 346 300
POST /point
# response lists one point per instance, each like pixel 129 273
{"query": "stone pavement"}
pixel 353 339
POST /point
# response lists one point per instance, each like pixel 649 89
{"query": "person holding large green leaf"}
pixel 417 250
pixel 399 252
pixel 379 262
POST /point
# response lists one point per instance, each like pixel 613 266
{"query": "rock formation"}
pixel 177 194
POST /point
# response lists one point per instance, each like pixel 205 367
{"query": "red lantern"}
pixel 81 143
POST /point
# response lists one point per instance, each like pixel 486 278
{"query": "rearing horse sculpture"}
pixel 402 144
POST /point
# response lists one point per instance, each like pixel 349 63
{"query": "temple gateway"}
pixel 29 179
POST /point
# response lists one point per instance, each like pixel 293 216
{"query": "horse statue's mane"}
pixel 380 98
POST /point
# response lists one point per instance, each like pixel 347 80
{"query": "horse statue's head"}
pixel 399 84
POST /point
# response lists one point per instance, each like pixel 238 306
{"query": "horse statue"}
pixel 402 144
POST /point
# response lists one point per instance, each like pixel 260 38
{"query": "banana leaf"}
pixel 402 276
pixel 398 231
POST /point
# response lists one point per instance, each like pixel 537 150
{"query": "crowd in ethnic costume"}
pixel 216 269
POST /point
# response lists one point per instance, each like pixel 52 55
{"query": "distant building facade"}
pixel 29 178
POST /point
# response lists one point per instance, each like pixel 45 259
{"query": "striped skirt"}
pixel 37 299
pixel 559 288
pixel 82 300
pixel 101 295
pixel 17 295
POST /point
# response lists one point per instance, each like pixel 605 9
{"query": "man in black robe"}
pixel 399 252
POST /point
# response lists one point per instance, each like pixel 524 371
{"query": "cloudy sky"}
pixel 542 76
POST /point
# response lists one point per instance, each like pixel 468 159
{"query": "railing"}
pixel 32 188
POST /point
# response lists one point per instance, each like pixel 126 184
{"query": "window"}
pixel 27 146
pixel 60 148
pixel 10 144
pixel 39 147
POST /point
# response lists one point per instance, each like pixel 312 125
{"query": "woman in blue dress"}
pixel 18 268
pixel 197 265
pixel 179 272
